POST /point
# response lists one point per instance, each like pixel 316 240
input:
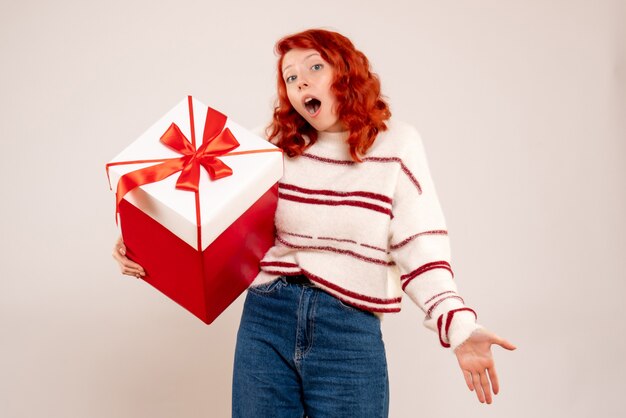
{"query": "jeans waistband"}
pixel 300 279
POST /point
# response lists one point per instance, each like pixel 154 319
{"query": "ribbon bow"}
pixel 216 141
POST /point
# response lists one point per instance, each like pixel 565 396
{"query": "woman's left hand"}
pixel 476 362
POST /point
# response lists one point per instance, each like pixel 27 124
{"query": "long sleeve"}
pixel 419 246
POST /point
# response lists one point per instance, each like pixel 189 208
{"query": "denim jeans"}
pixel 302 352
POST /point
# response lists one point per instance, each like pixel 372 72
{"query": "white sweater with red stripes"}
pixel 368 232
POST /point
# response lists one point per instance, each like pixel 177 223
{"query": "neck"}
pixel 335 143
pixel 334 139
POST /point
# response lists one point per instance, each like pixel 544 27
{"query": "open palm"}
pixel 476 362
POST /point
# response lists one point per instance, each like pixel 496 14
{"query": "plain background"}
pixel 521 106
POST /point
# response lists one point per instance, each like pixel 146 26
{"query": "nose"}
pixel 302 83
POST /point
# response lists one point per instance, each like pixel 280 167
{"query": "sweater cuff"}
pixel 455 326
pixel 462 328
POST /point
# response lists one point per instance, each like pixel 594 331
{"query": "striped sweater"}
pixel 369 232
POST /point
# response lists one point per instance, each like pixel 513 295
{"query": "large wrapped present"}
pixel 197 212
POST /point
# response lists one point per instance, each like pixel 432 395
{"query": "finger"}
pixel 484 382
pixel 468 380
pixel 121 258
pixel 505 344
pixel 134 270
pixel 126 262
pixel 119 246
pixel 118 257
pixel 478 387
pixel 493 376
pixel 132 265
pixel 131 272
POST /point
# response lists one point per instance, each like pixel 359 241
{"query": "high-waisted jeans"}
pixel 302 352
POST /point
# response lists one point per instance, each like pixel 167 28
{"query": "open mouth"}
pixel 312 105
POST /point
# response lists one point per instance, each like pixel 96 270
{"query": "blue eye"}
pixel 290 79
pixel 317 67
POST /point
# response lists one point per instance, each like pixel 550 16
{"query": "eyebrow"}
pixel 305 58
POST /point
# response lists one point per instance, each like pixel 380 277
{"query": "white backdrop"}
pixel 521 105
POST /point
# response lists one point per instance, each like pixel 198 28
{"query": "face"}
pixel 308 79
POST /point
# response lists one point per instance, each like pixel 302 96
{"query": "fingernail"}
pixel 122 251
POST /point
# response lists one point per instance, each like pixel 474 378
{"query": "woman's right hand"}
pixel 127 266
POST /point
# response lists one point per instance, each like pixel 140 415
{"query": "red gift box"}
pixel 199 237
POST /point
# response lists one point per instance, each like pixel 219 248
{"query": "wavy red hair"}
pixel 361 108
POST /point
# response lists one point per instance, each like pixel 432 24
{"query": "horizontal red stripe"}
pixel 426 267
pixel 355 203
pixel 328 160
pixel 412 237
pixel 437 295
pixel 432 308
pixel 297 235
pixel 337 250
pixel 283 273
pixel 369 195
pixel 338 239
pixel 374 248
pixel 364 307
pixel 404 168
pixel 277 264
pixel 335 239
pixel 350 293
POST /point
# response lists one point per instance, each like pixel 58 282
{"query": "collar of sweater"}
pixel 332 140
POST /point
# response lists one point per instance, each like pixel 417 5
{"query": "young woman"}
pixel 358 225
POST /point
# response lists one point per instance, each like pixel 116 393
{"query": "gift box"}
pixel 197 212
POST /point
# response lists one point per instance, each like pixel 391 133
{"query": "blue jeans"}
pixel 302 352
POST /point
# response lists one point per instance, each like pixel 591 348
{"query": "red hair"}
pixel 361 108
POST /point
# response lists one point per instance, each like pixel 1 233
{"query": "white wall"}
pixel 521 106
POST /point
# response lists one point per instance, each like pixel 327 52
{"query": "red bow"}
pixel 216 141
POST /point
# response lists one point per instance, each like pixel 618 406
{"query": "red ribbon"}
pixel 216 141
